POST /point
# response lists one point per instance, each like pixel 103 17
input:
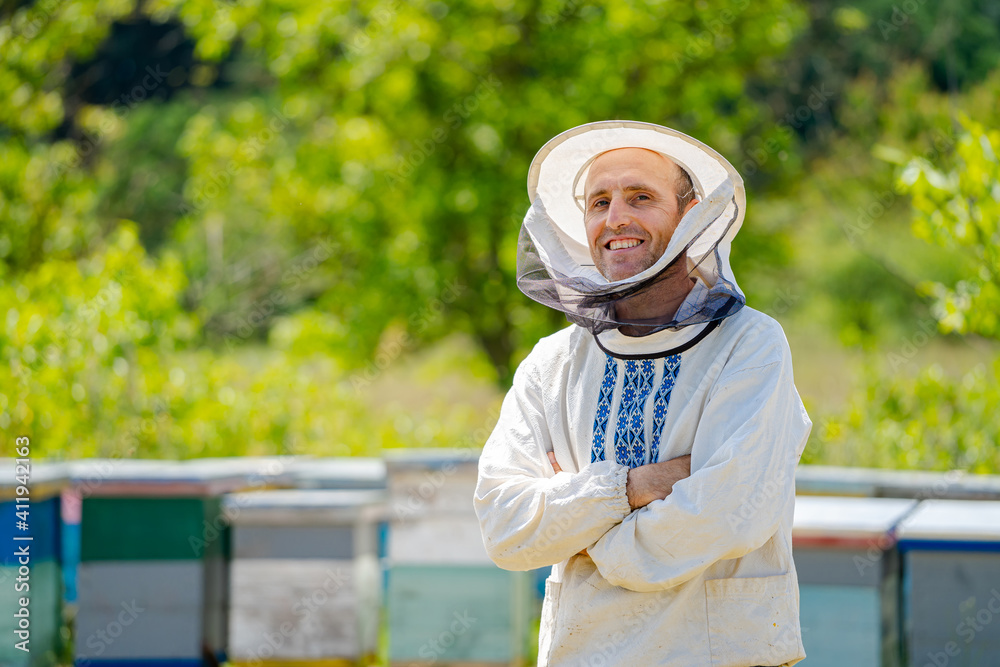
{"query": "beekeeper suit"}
pixel 703 573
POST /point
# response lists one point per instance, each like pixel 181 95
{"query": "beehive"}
pixel 447 602
pixel 848 570
pixel 951 583
pixel 304 576
pixel 152 576
pixel 39 583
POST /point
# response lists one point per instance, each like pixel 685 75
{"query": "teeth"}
pixel 624 243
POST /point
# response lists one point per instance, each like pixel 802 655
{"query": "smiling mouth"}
pixel 622 244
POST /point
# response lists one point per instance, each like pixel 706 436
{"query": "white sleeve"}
pixel 529 517
pixel 754 428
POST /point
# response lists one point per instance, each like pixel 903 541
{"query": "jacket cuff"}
pixel 610 479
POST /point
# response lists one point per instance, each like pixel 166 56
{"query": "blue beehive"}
pixel 447 602
pixel 30 570
pixel 951 583
pixel 848 570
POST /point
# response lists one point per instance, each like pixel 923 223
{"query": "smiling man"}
pixel 634 200
pixel 648 451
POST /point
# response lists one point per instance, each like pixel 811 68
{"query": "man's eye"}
pixel 638 196
pixel 599 202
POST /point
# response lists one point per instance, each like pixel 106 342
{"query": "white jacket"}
pixel 704 577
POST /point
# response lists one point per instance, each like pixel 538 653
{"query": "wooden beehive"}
pixel 447 602
pixel 339 473
pixel 951 570
pixel 304 576
pixel 152 579
pixel 878 483
pixel 848 571
pixel 40 585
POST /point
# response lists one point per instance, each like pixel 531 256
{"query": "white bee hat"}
pixel 555 266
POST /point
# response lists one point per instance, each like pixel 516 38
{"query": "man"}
pixel 648 452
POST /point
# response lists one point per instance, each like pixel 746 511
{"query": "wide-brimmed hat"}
pixel 554 235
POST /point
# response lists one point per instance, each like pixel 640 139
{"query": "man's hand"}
pixel 655 481
pixel 650 482
pixel 552 460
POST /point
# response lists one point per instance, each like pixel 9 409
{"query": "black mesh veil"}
pixel 554 266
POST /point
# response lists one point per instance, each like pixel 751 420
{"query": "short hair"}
pixel 684 186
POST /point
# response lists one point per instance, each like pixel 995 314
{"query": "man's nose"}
pixel 617 213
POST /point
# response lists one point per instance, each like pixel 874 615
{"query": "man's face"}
pixel 630 210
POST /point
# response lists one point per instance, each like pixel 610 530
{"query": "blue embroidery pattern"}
pixel 671 365
pixel 630 432
pixel 604 409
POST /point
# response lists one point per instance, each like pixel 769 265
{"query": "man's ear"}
pixel 691 205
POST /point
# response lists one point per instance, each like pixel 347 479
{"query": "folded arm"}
pixel 647 483
pixel 530 515
pixel 752 429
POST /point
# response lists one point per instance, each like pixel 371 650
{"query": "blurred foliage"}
pixel 857 267
pixel 961 209
pixel 409 124
pixel 931 420
pixel 956 43
pixel 228 227
pixel 926 421
pixel 311 184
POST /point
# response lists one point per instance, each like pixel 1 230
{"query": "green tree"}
pixel 961 209
pixel 931 420
pixel 315 186
pixel 399 132
pixel 410 126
